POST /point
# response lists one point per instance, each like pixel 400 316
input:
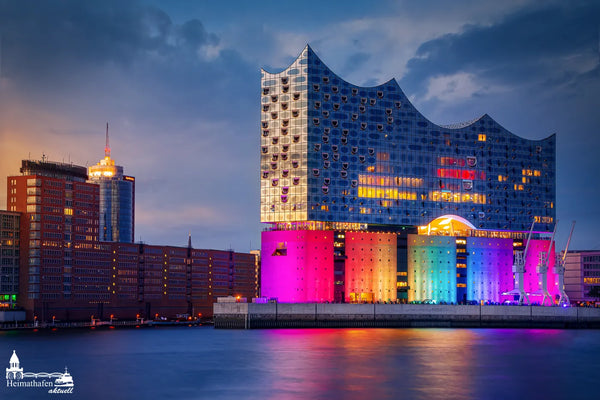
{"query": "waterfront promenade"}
pixel 320 315
pixel 8 326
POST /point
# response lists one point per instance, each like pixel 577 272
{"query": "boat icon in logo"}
pixel 64 381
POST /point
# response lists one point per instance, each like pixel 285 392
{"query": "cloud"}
pixel 520 48
pixel 455 87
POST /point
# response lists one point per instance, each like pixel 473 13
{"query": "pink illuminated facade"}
pixel 533 280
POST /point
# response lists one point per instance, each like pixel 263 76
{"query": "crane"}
pixel 559 270
pixel 518 270
pixel 542 270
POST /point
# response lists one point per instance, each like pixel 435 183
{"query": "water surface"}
pixel 204 363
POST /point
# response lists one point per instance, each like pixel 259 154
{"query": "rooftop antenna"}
pixel 107 147
pixel 189 248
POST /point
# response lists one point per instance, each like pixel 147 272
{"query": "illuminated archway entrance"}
pixel 448 225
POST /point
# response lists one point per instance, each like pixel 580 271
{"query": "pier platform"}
pixel 323 315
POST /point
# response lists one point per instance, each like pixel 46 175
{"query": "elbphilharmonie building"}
pixel 365 199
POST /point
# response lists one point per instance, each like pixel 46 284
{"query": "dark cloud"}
pixel 524 46
pixel 59 46
pixel 194 34
pixel 44 36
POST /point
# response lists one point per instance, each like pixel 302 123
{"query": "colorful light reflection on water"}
pixel 198 363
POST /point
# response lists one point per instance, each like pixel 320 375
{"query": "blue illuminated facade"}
pixel 116 210
pixel 333 152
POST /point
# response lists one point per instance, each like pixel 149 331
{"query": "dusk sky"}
pixel 179 84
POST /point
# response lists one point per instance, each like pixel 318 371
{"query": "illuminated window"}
pixel 481 137
pixel 527 172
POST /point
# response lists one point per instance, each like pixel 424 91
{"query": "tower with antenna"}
pixel 107 146
pixel 117 198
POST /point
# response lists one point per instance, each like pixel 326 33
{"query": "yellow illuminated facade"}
pixel 104 169
pixel 388 193
pixel 397 181
pixel 448 225
pixel 446 195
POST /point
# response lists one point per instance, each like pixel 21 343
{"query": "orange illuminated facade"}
pixel 370 267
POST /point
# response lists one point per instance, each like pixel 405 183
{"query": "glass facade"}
pixel 116 210
pixel 336 152
pixel 284 143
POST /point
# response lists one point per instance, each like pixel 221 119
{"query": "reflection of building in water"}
pixel 367 200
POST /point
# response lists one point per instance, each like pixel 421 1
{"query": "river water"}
pixel 205 363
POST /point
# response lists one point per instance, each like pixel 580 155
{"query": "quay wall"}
pixel 325 315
